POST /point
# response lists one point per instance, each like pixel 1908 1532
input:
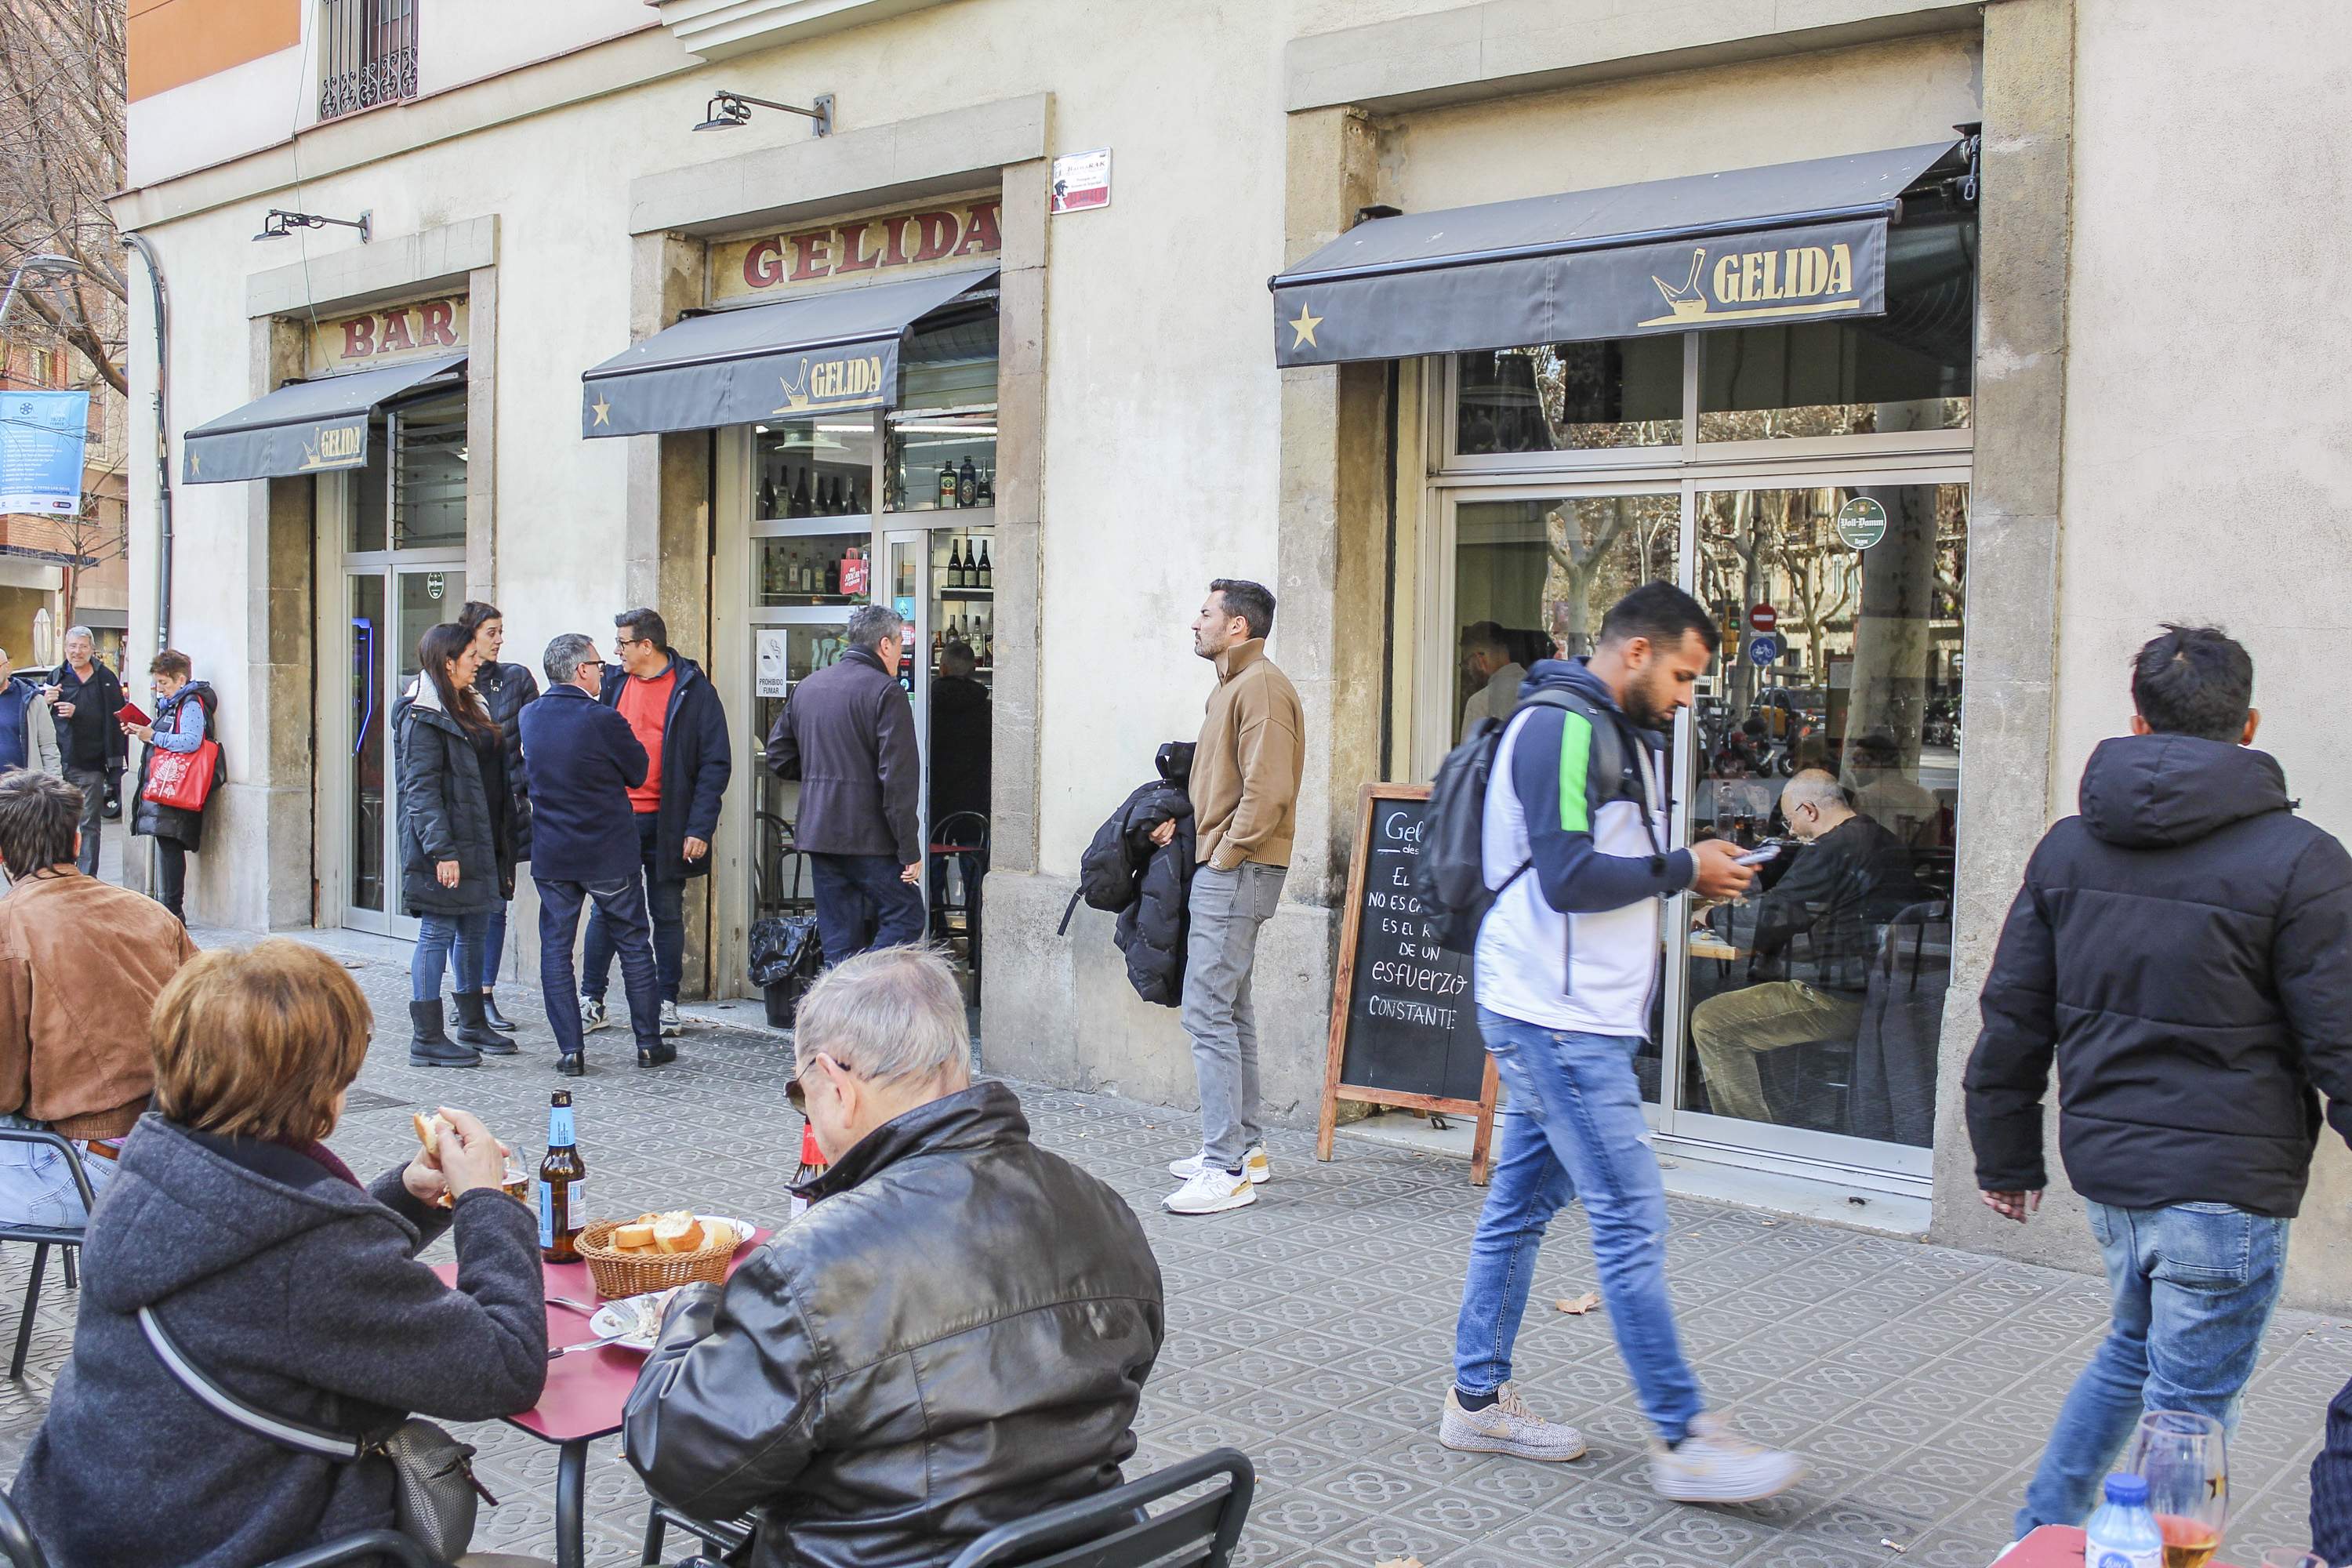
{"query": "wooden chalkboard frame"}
pixel 1343 985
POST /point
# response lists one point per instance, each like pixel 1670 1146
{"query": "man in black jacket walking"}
pixel 675 713
pixel 2179 949
pixel 86 697
pixel 847 734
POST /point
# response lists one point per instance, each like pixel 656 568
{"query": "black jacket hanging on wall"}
pixel 1149 886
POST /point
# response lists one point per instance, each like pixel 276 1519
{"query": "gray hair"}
pixel 564 656
pixel 73 632
pixel 1813 787
pixel 889 1011
pixel 870 624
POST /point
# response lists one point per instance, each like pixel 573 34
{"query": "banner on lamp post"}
pixel 41 436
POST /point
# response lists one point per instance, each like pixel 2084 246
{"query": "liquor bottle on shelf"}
pixel 768 496
pixel 983 577
pixel 807 576
pixel 956 568
pixel 947 492
pixel 563 1184
pixel 939 645
pixel 968 484
pixel 801 495
pixel 832 577
pixel 857 497
pixel 988 487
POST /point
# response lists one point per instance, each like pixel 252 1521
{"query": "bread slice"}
pixel 430 1128
pixel 636 1237
pixel 678 1232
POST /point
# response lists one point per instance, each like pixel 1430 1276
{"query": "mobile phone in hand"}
pixel 1757 856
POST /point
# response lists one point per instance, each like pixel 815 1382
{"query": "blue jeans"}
pixel 1574 1127
pixel 436 936
pixel 35 1187
pixel 861 903
pixel 664 899
pixel 621 904
pixel 2192 1288
pixel 494 946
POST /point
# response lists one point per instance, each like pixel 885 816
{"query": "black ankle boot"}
pixel 474 1030
pixel 428 1047
pixel 571 1064
pixel 491 1016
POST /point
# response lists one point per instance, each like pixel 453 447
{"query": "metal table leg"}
pixel 571 1489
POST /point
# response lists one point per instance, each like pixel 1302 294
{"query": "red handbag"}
pixel 182 779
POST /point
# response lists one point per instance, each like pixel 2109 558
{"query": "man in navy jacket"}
pixel 580 761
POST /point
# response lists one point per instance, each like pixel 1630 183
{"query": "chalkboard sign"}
pixel 1404 1025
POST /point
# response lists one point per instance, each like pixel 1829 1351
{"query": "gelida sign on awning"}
pixel 1791 242
pixel 307 426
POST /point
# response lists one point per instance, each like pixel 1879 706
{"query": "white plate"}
pixel 631 1318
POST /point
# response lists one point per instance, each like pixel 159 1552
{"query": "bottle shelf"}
pixel 966 593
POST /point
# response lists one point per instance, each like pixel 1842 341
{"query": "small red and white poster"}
pixel 1082 180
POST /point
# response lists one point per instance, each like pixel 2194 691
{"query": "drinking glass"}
pixel 2184 1458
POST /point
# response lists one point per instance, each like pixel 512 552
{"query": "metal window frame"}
pixel 367 54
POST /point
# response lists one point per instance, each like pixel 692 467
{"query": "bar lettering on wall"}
pixel 386 335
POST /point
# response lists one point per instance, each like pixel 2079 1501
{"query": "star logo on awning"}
pixel 195 463
pixel 1303 328
pixel 601 408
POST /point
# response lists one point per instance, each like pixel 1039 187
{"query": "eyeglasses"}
pixel 629 642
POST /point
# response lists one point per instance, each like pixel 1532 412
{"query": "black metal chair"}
pixel 962 836
pixel 1109 1530
pixel 44 1236
pixel 17 1546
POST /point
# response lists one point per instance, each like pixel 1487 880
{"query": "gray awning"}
pixel 1777 244
pixel 792 359
pixel 303 427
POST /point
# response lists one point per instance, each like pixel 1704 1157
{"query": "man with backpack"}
pixel 1573 848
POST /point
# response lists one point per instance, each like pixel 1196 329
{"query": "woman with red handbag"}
pixel 181 727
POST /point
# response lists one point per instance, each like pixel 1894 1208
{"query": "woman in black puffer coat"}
pixel 456 842
pixel 506 689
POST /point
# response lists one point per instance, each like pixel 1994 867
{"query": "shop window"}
pixel 942 435
pixel 1906 371
pixel 367 54
pixel 427 460
pixel 819 468
pixel 1570 397
pixel 1817 1001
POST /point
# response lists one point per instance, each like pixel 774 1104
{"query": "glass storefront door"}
pixel 390 609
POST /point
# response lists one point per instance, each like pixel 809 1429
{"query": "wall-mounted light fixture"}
pixel 727 110
pixel 281 223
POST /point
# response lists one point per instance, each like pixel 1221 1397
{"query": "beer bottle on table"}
pixel 563 1184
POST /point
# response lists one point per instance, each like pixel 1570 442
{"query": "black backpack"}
pixel 1449 876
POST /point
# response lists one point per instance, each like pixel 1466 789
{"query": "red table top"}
pixel 2056 1546
pixel 586 1392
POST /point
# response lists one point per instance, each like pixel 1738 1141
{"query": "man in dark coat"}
pixel 86 699
pixel 580 761
pixel 2179 950
pixel 847 734
pixel 959 737
pixel 953 1337
pixel 675 713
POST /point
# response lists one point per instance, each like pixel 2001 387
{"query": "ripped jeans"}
pixel 1573 1127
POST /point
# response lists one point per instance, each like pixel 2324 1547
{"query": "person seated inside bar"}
pixel 1850 876
pixel 953 1337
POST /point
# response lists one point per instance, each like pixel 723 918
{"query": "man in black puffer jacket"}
pixel 954 1336
pixel 1147 885
pixel 2183 950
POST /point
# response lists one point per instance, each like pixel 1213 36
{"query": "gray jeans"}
pixel 91 782
pixel 1228 908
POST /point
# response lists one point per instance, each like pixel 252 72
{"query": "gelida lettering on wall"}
pixel 1756 285
pixel 336 447
pixel 387 334
pixel 820 381
pixel 932 237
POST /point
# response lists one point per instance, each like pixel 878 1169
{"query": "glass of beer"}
pixel 517 1181
pixel 2185 1460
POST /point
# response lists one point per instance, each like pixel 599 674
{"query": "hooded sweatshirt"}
pixel 301 1294
pixel 1573 941
pixel 2183 951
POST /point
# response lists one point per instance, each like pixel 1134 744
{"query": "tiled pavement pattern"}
pixel 1312 1330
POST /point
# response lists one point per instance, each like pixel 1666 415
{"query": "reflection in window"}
pixel 429 471
pixel 1567 398
pixel 1817 1001
pixel 942 436
pixel 1909 369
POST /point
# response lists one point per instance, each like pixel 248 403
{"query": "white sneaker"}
pixel 1507 1426
pixel 1715 1464
pixel 670 1022
pixel 591 1014
pixel 1253 1166
pixel 1212 1192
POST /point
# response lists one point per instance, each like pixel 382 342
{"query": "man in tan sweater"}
pixel 1245 790
pixel 81 963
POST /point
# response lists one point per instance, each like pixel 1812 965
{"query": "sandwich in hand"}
pixel 428 1132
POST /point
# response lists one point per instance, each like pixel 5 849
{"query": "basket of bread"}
pixel 656 1251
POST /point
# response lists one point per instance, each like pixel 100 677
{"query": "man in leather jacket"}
pixel 952 1338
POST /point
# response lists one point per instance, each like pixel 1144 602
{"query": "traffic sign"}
pixel 1763 649
pixel 1763 618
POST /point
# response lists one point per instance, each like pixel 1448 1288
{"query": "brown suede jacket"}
pixel 1245 770
pixel 81 963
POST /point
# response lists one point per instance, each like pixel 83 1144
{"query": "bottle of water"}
pixel 2124 1533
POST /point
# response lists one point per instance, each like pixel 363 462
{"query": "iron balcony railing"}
pixel 367 54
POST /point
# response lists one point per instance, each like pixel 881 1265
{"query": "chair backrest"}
pixel 1111 1530
pixel 72 1158
pixel 966 830
pixel 16 1542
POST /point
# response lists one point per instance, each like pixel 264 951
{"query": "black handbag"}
pixel 435 1493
